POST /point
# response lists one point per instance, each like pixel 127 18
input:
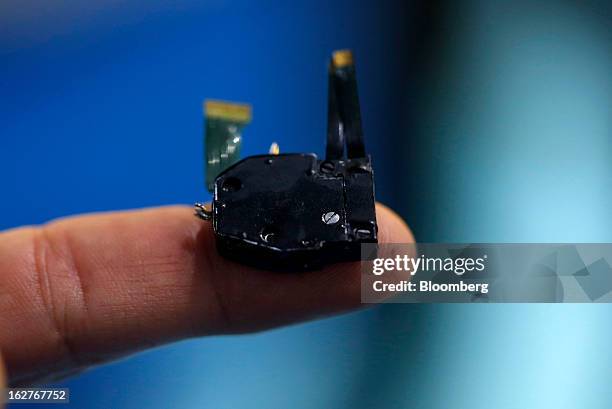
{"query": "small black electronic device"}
pixel 294 211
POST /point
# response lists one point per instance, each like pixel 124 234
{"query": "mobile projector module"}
pixel 292 211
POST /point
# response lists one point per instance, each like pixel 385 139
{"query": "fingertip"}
pixel 391 227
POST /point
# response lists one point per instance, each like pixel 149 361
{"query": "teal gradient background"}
pixel 488 121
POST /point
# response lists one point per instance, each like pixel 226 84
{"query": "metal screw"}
pixel 362 233
pixel 327 167
pixel 330 218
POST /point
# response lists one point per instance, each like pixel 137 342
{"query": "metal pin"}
pixel 204 211
pixel 274 149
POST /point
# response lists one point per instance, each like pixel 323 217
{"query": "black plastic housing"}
pixel 293 211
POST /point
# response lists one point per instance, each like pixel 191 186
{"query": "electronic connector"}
pixel 293 211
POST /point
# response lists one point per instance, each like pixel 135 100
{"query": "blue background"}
pixel 488 121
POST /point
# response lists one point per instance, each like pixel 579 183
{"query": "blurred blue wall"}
pixel 488 121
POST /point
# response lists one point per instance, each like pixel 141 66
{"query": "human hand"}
pixel 88 289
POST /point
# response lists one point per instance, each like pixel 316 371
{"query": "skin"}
pixel 84 290
pixel 2 374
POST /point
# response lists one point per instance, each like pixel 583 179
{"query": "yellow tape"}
pixel 227 110
pixel 342 58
